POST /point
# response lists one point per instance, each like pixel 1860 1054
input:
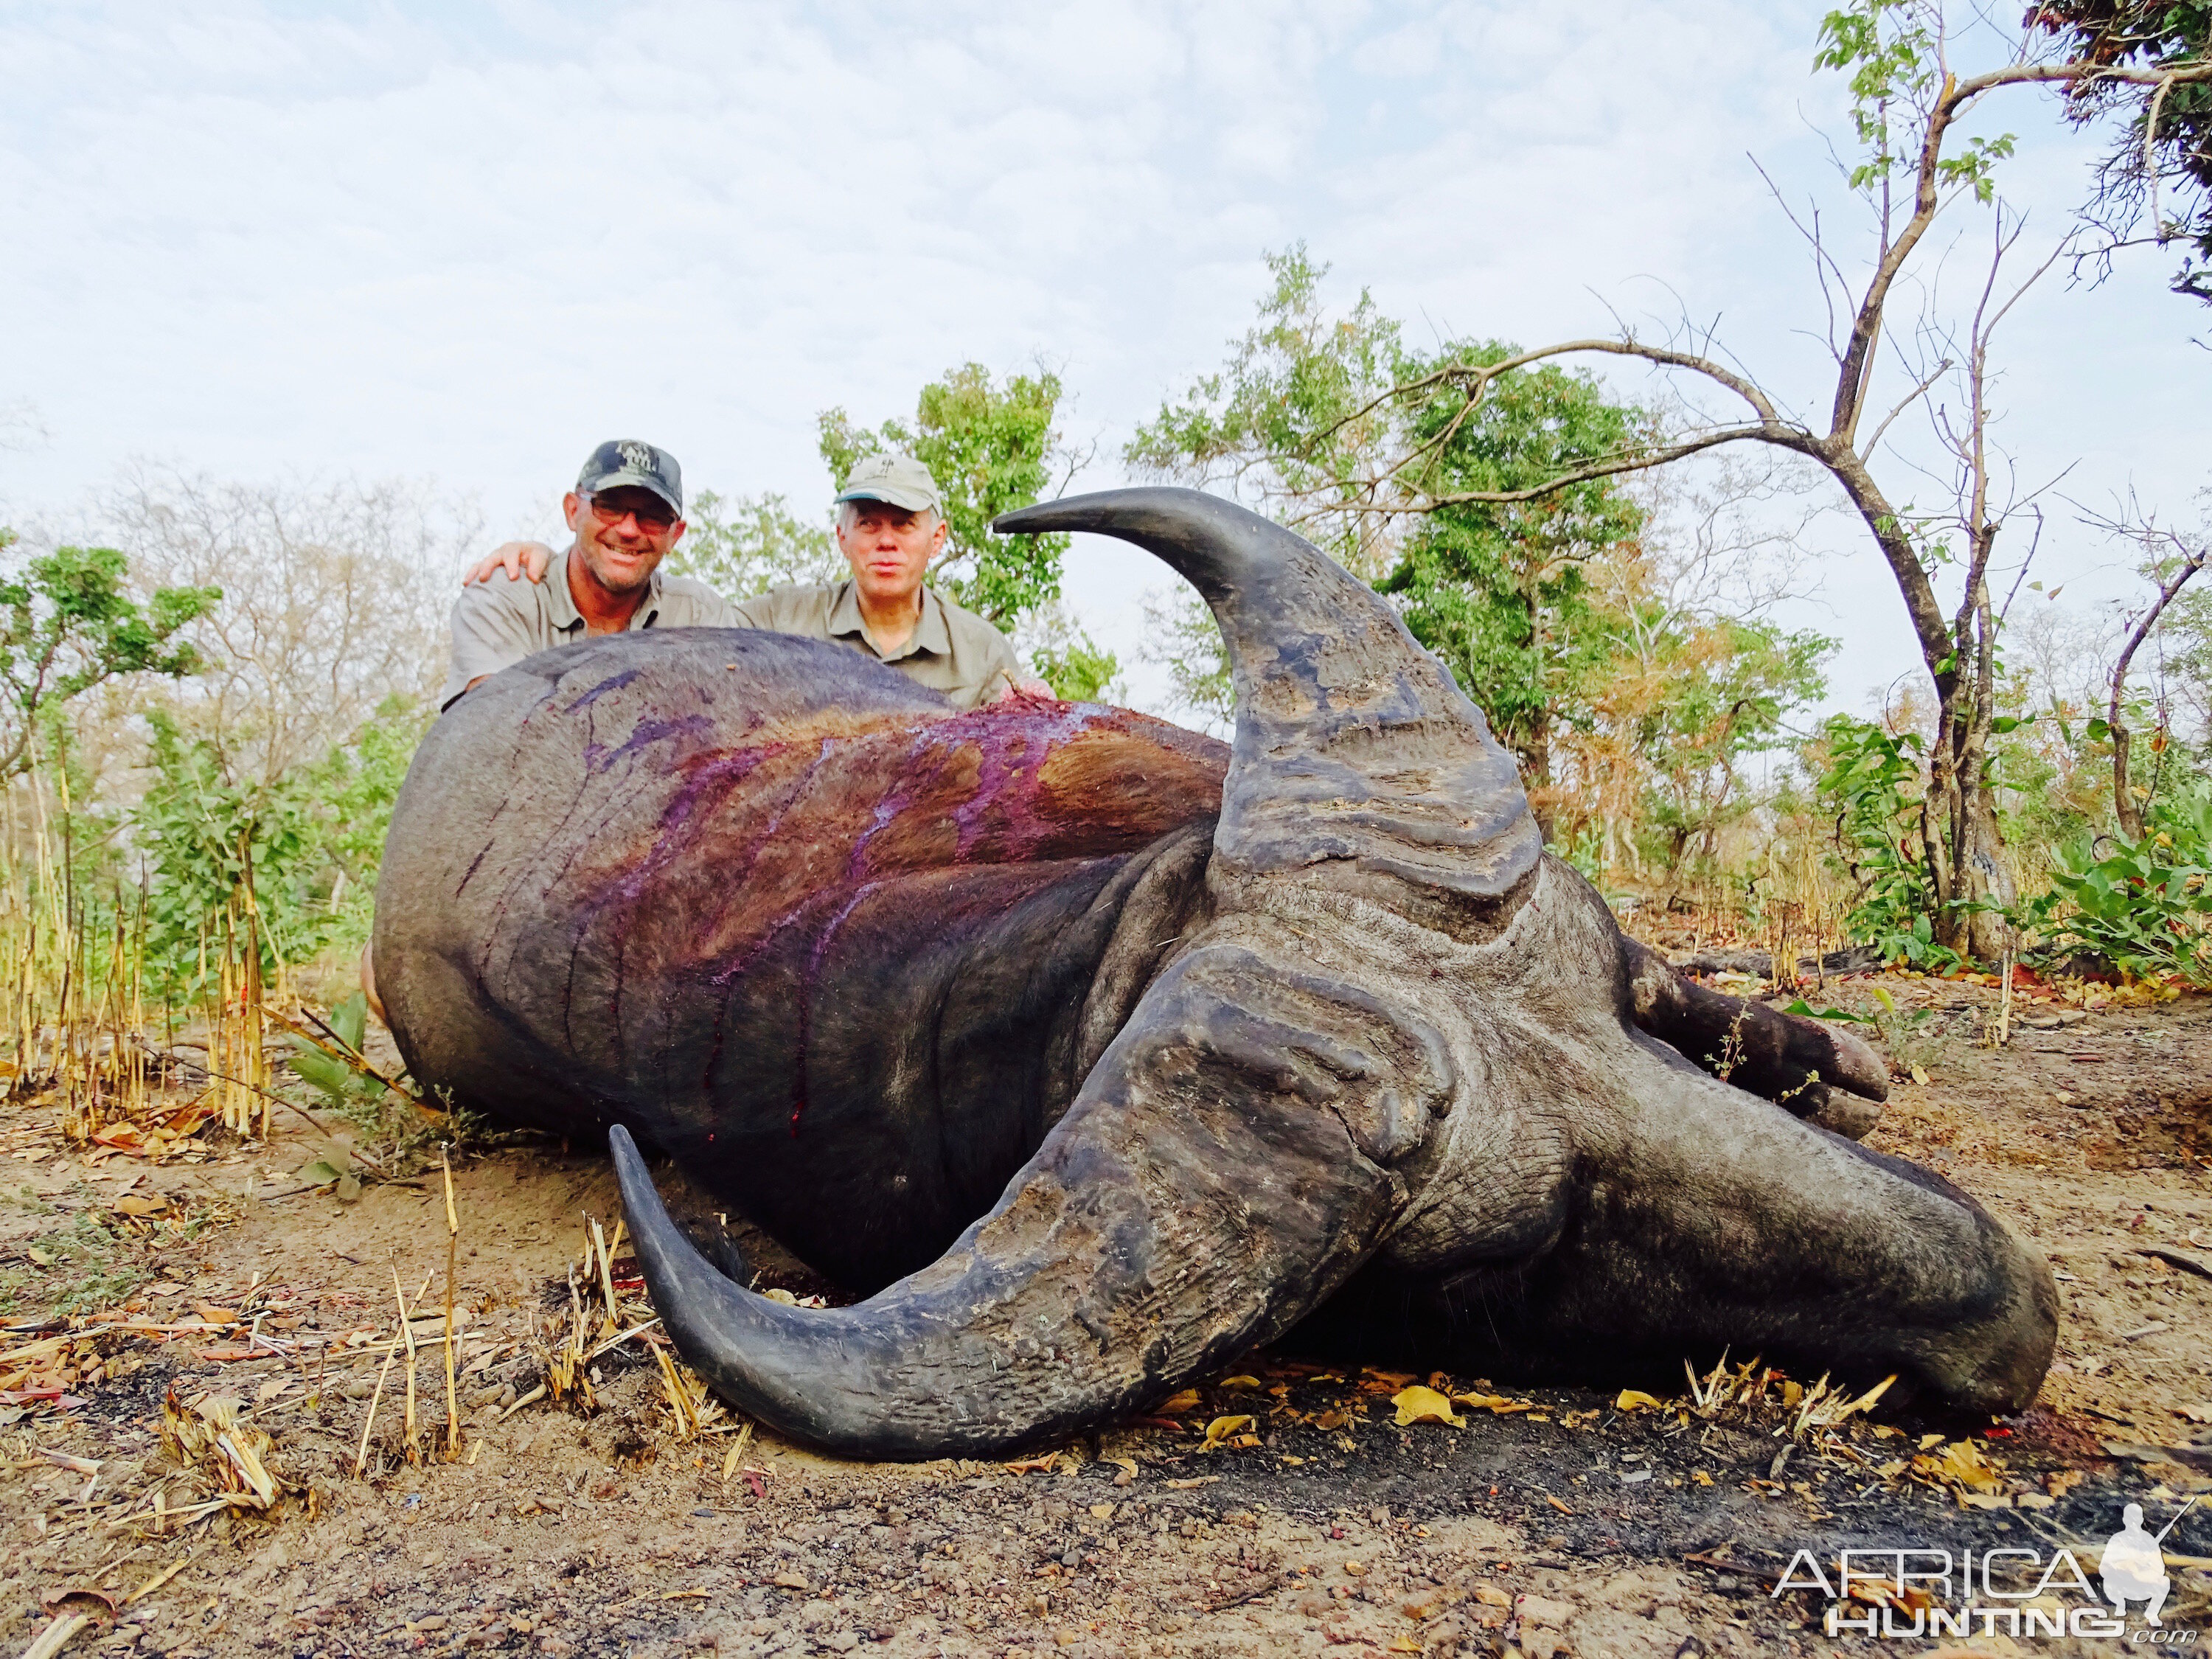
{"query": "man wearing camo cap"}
pixel 627 511
pixel 890 525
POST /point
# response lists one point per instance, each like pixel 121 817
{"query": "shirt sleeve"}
pixel 488 635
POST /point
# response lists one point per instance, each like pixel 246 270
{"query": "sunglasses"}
pixel 654 515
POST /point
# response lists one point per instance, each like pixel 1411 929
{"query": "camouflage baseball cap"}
pixel 626 464
pixel 900 480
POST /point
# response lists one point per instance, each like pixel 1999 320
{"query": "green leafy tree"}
pixel 1498 589
pixel 1297 422
pixel 993 447
pixel 68 623
pixel 1065 658
pixel 747 544
pixel 1684 701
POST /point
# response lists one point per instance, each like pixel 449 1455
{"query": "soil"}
pixel 1556 1521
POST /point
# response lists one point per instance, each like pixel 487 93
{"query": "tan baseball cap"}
pixel 898 480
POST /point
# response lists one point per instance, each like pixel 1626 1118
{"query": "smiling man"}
pixel 890 525
pixel 626 511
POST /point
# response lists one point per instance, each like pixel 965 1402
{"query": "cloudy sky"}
pixel 464 241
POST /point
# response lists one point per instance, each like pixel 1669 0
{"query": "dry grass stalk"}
pixel 680 1403
pixel 58 1634
pixel 606 1276
pixel 737 1450
pixel 164 1575
pixel 453 1247
pixel 407 1335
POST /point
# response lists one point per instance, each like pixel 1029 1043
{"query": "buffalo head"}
pixel 1390 1059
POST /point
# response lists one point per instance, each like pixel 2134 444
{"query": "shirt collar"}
pixel 931 634
pixel 562 602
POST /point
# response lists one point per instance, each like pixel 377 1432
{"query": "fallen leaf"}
pixel 1222 1428
pixel 1194 1480
pixel 788 1581
pixel 213 1315
pixel 1495 1403
pixel 1420 1405
pixel 1403 1645
pixel 1185 1401
pixel 1239 1382
pixel 1356 1569
pixel 1034 1465
pixel 134 1204
pixel 1633 1399
pixel 1328 1420
pixel 1491 1596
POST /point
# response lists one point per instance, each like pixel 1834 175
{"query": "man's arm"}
pixel 489 635
pixel 530 559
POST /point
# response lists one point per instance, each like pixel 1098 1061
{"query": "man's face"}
pixel 889 548
pixel 621 535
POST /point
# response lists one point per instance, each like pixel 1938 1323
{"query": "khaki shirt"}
pixel 499 623
pixel 951 651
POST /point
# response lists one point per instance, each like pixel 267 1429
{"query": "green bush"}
pixel 312 840
pixel 2144 906
pixel 1873 787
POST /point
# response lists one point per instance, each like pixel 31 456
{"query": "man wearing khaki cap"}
pixel 890 525
pixel 627 511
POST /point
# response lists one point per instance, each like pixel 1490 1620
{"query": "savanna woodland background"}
pixel 206 711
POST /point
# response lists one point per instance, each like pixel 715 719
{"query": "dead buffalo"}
pixel 1096 1053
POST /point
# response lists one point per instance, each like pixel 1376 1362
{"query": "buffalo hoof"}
pixel 1852 1116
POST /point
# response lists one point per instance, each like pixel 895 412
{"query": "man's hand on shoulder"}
pixel 530 559
pixel 1029 690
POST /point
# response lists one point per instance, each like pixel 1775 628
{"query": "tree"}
pixel 67 624
pixel 1498 589
pixel 993 448
pixel 1538 604
pixel 2166 120
pixel 1298 422
pixel 1914 163
pixel 336 597
pixel 749 544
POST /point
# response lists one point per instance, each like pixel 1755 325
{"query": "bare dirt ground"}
pixel 1556 1521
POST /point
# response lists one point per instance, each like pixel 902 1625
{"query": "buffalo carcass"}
pixel 1095 1054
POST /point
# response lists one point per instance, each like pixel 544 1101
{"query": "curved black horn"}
pixel 1352 741
pixel 1123 1258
